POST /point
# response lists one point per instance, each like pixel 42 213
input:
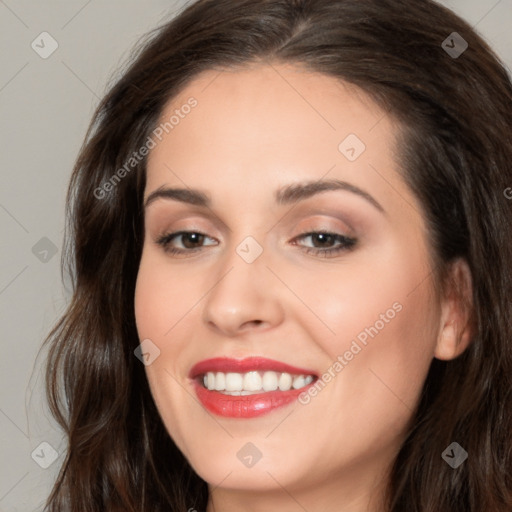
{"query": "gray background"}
pixel 45 108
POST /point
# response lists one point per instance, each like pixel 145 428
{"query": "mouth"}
pixel 249 387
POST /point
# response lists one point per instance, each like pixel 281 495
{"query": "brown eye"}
pixel 324 239
pixel 190 241
pixel 323 243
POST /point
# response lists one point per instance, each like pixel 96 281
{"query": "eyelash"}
pixel 346 243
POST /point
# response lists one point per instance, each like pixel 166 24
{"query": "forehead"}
pixel 268 97
pixel 266 123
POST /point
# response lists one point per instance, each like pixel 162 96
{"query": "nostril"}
pixel 252 323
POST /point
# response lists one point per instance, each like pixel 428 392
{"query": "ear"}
pixel 456 327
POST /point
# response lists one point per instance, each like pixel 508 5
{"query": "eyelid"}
pixel 168 217
pixel 327 224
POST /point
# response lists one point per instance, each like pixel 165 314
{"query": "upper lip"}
pixel 227 364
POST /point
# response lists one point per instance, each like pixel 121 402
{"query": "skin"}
pixel 254 130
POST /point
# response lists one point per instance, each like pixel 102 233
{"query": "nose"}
pixel 244 297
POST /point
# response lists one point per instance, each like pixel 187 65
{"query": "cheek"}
pixel 165 314
pixel 380 320
pixel 161 298
pixel 384 332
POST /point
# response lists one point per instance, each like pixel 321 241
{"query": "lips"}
pixel 249 387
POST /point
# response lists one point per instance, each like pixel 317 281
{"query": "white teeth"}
pixel 269 381
pixel 285 382
pixel 252 382
pixel 299 382
pixel 234 381
pixel 220 381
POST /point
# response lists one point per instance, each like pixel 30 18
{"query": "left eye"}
pixel 326 241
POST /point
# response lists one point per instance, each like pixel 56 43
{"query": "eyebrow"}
pixel 286 195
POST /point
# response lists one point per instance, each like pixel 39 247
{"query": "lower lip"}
pixel 248 406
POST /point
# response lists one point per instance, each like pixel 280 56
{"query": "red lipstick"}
pixel 245 406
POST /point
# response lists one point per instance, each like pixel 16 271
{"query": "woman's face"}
pixel 353 309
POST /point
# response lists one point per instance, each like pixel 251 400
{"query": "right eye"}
pixel 188 240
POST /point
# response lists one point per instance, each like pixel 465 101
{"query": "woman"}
pixel 290 242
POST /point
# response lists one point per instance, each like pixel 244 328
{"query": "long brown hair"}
pixel 455 152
